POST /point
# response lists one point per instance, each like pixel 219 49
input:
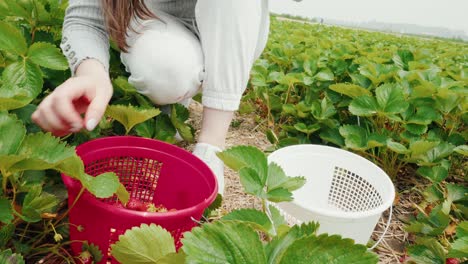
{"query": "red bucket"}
pixel 152 171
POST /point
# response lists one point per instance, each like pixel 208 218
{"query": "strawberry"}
pixel 452 261
pixel 134 204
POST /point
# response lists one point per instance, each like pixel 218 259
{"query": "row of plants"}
pixel 399 101
pixel 33 204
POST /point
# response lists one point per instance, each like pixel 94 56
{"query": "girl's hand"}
pixel 207 153
pixel 88 93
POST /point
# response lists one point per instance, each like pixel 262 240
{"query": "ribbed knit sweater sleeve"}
pixel 84 33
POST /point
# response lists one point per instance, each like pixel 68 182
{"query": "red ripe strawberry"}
pixel 452 261
pixel 136 205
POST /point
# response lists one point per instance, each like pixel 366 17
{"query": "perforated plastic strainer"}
pixel 152 171
pixel 344 192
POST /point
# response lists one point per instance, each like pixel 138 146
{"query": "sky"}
pixel 452 14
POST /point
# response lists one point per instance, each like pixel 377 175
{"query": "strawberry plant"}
pixel 400 102
pixel 33 212
pixel 33 198
pixel 235 237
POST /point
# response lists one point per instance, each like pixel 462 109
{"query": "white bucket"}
pixel 344 192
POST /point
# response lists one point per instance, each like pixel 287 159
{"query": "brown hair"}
pixel 118 14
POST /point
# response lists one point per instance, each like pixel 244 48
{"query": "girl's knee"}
pixel 166 63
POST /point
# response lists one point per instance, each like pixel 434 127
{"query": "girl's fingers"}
pixel 60 112
pixel 66 111
pixel 51 121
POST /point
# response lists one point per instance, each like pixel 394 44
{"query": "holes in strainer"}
pixel 113 238
pixel 138 175
pixel 352 193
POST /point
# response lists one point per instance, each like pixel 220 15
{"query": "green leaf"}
pixel 289 109
pixel 93 250
pixel 271 136
pixel 279 195
pixel 129 116
pixel 251 181
pixel 223 242
pixel 325 75
pixel 11 39
pixel 103 185
pixel 277 218
pixel 13 133
pixel 390 99
pixel 122 194
pixel 428 250
pixel 239 157
pixel 6 232
pixel 258 220
pixel 323 110
pixel 462 229
pixel 22 82
pixel 47 55
pixel 402 58
pixel 437 153
pixel 424 116
pixel 18 8
pixel 420 228
pixel 456 192
pixel 332 135
pixel 278 179
pixel 122 85
pixel 37 202
pixel 416 129
pixel 6 211
pixel 432 194
pixel 363 106
pixel 165 130
pixel 216 204
pixel 179 115
pixel 355 136
pixel 278 245
pixel 456 139
pixel 459 248
pixel 462 149
pixel 350 90
pixel 421 147
pixel 173 258
pixel 397 147
pixel 446 100
pixel 72 166
pixel 376 140
pixel 146 129
pixel 143 245
pixel 41 151
pixel 306 129
pixel 7 256
pixel 327 249
pixel 435 174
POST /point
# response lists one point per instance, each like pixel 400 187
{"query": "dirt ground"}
pixel 246 132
